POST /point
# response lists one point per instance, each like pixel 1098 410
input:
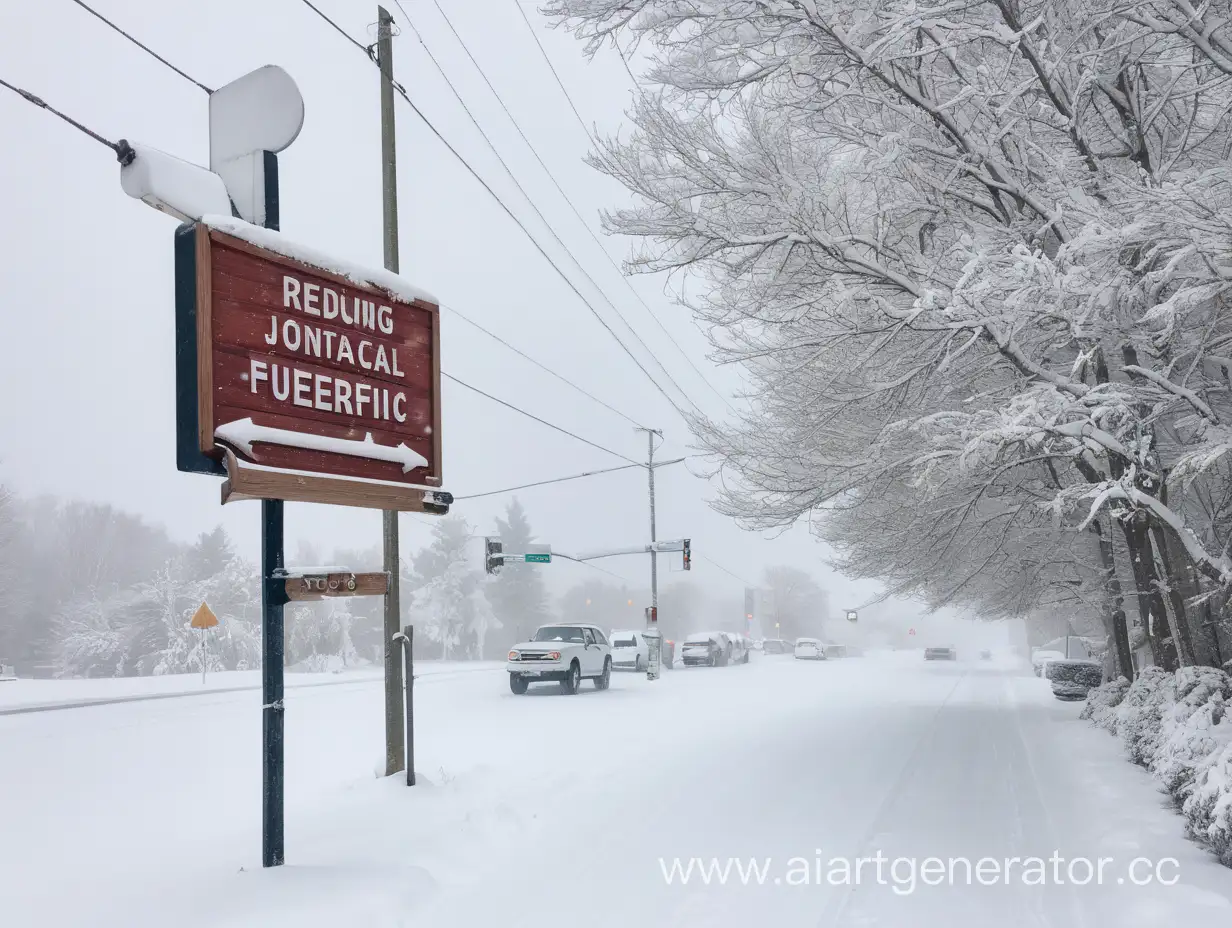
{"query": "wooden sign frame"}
pixel 197 447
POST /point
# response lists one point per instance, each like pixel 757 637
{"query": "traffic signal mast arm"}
pixel 496 556
pixel 679 544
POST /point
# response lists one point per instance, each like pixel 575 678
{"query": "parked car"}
pixel 809 649
pixel 1040 658
pixel 940 654
pixel 629 650
pixel 739 647
pixel 1074 679
pixel 835 651
pixel 703 649
pixel 564 654
pixel 985 655
pixel 775 646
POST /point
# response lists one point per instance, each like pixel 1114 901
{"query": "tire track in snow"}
pixel 1077 909
pixel 837 906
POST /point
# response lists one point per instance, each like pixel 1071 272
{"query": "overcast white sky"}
pixel 86 318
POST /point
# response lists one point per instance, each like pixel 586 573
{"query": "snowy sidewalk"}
pixel 22 696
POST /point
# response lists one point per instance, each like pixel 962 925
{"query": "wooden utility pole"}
pixel 395 747
pixel 654 555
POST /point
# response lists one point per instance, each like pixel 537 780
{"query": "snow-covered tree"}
pixel 210 555
pixel 95 634
pixel 797 606
pixel 949 243
pixel 168 631
pixel 234 594
pixel 13 592
pixel 517 593
pixel 320 636
pixel 446 602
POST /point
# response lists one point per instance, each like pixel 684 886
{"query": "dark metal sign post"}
pixel 273 599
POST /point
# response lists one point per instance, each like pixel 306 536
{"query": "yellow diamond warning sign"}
pixel 204 617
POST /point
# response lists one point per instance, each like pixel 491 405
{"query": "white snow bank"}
pixel 277 242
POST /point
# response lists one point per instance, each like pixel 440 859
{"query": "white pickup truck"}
pixel 563 654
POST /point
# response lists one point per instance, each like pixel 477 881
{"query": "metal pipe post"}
pixel 273 598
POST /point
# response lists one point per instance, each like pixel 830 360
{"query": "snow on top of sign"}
pixel 172 185
pixel 288 248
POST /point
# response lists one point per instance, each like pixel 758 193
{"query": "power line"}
pixel 141 45
pixel 512 215
pixel 508 405
pixel 554 234
pixel 402 92
pixel 552 68
pixel 538 364
pixel 342 32
pixel 491 192
pixel 544 483
pixel 589 231
pixel 726 571
pixel 551 176
pixel 123 151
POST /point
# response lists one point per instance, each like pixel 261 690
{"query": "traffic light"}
pixel 748 603
pixel 688 556
pixel 493 561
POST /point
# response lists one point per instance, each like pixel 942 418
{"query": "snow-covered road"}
pixel 546 808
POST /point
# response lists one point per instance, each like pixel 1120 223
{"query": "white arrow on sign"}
pixel 243 432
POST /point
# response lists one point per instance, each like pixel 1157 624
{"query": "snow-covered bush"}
pixel 1208 807
pixel 1102 703
pixel 1186 730
pixel 1187 744
pixel 1140 713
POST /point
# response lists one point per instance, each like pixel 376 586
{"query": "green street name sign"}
pixel 539 559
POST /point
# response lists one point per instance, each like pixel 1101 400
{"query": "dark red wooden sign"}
pixel 302 371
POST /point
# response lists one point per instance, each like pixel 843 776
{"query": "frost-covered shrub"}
pixel 1186 744
pixel 1141 710
pixel 1208 806
pixel 1186 729
pixel 1102 704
